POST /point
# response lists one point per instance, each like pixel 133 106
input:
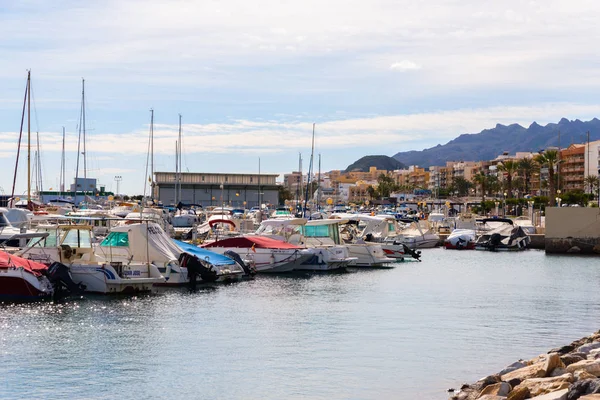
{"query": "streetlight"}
pixel 118 179
pixel 558 199
pixel 531 203
pixel 504 208
pixel 497 203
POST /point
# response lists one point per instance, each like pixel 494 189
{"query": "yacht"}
pixel 72 245
pixel 321 238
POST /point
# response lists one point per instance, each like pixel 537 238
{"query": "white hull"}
pixel 395 251
pixel 179 277
pixel 368 255
pixel 269 260
pixel 104 279
pixel 328 258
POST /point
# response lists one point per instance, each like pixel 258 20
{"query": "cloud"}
pixel 404 65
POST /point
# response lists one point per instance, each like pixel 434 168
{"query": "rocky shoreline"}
pixel 570 372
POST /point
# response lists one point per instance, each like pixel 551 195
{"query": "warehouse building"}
pixel 216 189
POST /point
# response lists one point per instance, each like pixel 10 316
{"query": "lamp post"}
pixel 531 203
pixel 118 179
pixel 504 208
pixel 558 199
pixel 497 203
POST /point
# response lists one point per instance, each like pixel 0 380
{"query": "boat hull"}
pixel 20 286
pixel 104 279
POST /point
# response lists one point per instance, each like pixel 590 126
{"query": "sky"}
pixel 251 78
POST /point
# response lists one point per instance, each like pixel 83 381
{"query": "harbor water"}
pixel 405 333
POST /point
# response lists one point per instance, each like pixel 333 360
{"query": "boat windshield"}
pixel 3 221
pixel 116 239
pixel 322 231
pixel 78 238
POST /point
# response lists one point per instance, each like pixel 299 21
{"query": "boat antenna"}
pixel 12 194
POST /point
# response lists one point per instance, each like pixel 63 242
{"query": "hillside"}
pixel 381 162
pixel 489 143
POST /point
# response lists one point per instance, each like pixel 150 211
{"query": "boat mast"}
pixel 310 167
pixel 83 123
pixel 12 194
pixel 179 150
pixel 62 164
pixel 259 192
pixel 152 155
pixel 319 186
pixel 29 139
pixel 176 169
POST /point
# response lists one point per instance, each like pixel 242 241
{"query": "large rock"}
pixel 492 397
pixel 539 386
pixel 531 371
pixel 569 359
pixel 559 395
pixel 583 387
pixel 519 393
pixel 513 367
pixel 583 374
pixel 586 348
pixel 497 389
pixel 590 366
pixel 590 397
pixel 552 361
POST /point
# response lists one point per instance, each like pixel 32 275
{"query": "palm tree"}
pixel 591 182
pixel 526 167
pixel 481 179
pixel 549 159
pixel 509 167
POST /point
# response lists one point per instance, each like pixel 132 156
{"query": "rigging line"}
pixel 12 194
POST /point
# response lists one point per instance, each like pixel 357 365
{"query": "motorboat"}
pixel 26 280
pixel 328 254
pixel 367 251
pixel 461 239
pixel 526 224
pixel 418 235
pixel 148 243
pixel 501 234
pixel 11 236
pixel 122 209
pixel 72 245
pixel 380 229
pixel 263 253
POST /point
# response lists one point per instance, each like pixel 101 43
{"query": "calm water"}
pixel 407 333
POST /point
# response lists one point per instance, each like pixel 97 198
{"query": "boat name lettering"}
pixel 132 273
pixel 153 230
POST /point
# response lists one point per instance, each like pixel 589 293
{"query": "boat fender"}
pixel 320 257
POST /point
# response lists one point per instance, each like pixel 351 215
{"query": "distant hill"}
pixel 381 162
pixel 489 143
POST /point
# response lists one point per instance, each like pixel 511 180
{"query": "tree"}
pixel 461 185
pixel 481 180
pixel 549 159
pixel 526 168
pixel 284 194
pixel 591 183
pixel 509 167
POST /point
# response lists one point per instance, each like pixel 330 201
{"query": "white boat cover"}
pixel 147 240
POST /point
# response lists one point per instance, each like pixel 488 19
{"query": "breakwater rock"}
pixel 570 372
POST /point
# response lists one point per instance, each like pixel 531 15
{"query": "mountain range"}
pixel 490 143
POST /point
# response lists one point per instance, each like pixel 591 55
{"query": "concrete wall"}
pixel 573 230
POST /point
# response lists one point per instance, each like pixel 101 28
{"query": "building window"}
pixel 251 179
pixel 226 179
pixel 202 178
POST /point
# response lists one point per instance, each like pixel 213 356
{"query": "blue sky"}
pixel 250 78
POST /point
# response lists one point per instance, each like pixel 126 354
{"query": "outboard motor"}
pixel 461 244
pixel 196 267
pixel 416 254
pixel 62 282
pixel 494 241
pixel 236 257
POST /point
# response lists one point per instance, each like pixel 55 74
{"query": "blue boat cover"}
pixel 213 258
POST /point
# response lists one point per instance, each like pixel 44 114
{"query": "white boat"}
pixel 122 209
pixel 461 239
pixel 501 234
pixel 72 245
pixel 526 224
pixel 327 252
pixel 264 254
pixel 375 229
pixel 148 243
pixel 11 236
pixel 418 235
